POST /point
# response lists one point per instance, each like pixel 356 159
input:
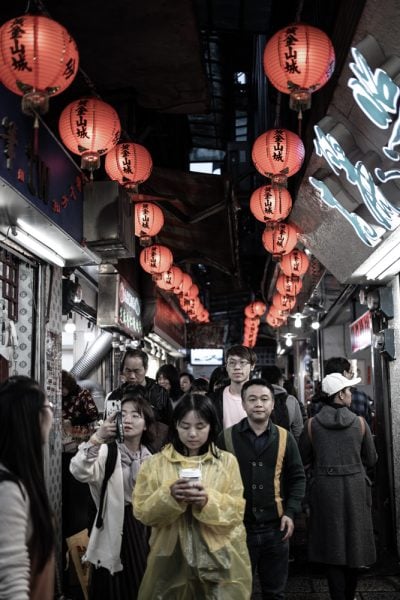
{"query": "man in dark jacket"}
pixel 133 368
pixel 274 485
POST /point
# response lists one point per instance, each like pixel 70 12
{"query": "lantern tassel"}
pixel 36 135
pixel 299 121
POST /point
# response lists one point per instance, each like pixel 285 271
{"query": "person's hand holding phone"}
pixel 108 429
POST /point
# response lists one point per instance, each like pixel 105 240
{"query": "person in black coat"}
pixel 338 447
pixel 133 368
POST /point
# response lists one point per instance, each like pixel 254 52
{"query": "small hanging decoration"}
pixel 149 219
pixel 269 203
pixel 89 127
pixel 128 163
pixel 298 60
pixel 285 303
pixel 155 259
pixel 295 264
pixel 278 154
pixel 39 59
pixel 288 285
pixel 279 238
pixel 170 279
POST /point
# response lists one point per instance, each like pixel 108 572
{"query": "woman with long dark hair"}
pixel 26 526
pixel 118 562
pixel 168 377
pixel 191 494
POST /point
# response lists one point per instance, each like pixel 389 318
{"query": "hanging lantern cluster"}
pixel 39 59
pixel 180 283
pixel 293 267
pixel 298 60
pixel 253 313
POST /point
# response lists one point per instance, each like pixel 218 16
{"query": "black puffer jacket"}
pixel 155 394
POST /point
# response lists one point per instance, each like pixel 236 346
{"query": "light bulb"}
pixel 69 327
pixel 289 342
pixel 315 325
pixel 297 322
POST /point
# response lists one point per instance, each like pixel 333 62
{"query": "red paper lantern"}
pixel 184 285
pixel 269 203
pixel 89 127
pixel 149 219
pixel 279 238
pixel 129 164
pixel 278 313
pixel 287 285
pixel 155 259
pixel 298 60
pixel 295 264
pixel 39 59
pixel 170 279
pixel 252 322
pixel 193 291
pixel 273 321
pixel 285 303
pixel 258 307
pixel 278 154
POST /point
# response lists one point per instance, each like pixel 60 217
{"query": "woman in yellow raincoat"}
pixel 191 494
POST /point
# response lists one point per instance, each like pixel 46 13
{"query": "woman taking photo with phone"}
pixel 110 468
pixel 26 525
pixel 191 494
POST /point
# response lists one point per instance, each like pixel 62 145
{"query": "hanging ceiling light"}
pixel 89 127
pixel 70 326
pixel 39 59
pixel 298 60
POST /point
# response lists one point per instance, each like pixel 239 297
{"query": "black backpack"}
pixel 280 414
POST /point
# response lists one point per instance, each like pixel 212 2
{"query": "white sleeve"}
pixel 14 555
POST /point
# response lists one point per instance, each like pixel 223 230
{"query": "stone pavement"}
pixel 307 582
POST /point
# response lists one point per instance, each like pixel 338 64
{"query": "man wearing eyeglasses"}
pixel 240 362
pixel 133 369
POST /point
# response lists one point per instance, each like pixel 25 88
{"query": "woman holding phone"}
pixel 191 494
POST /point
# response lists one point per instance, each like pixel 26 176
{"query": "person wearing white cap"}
pixel 338 447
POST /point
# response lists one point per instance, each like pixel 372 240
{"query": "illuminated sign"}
pixel 377 96
pixel 361 332
pixel 118 306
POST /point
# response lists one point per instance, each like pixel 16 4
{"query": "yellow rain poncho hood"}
pixel 194 553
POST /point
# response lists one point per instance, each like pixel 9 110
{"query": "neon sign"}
pixel 377 96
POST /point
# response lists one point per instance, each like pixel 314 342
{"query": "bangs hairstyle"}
pixel 135 394
pixel 204 407
pixel 21 451
pixel 243 352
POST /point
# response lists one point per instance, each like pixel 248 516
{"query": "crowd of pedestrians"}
pixel 195 484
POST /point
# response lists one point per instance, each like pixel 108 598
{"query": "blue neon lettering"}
pixel 375 92
pixel 368 233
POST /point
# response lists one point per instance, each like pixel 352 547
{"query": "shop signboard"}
pixel 118 306
pixel 41 171
pixel 169 323
pixel 361 332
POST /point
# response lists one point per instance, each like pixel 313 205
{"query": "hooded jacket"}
pixel 339 451
pixel 193 550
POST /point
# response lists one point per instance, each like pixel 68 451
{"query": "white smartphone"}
pixel 111 407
